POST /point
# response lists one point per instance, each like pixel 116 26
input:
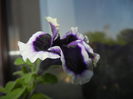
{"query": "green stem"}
pixel 35 70
pixel 37 65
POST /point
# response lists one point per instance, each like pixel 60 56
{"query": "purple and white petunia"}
pixel 40 43
pixel 76 55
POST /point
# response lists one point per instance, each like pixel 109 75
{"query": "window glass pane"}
pixel 110 16
pixel 107 23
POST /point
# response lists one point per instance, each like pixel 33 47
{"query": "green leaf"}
pixel 19 82
pixel 19 61
pixel 20 73
pixel 28 77
pixel 39 96
pixel 24 69
pixel 9 86
pixel 37 61
pixel 28 62
pixel 3 97
pixel 15 94
pixel 49 78
pixel 26 80
pixel 2 90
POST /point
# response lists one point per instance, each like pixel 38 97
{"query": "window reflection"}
pixel 107 23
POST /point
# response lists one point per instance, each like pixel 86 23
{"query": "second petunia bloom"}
pixel 78 57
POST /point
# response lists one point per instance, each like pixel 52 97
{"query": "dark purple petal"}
pixel 73 36
pixel 56 42
pixel 76 62
pixel 86 46
pixel 54 31
pixel 42 42
pixel 68 38
pixel 76 59
pixel 93 56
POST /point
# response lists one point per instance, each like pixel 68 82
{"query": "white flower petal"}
pixel 96 58
pixel 52 21
pixel 35 35
pixel 74 29
pixel 28 52
pixel 88 48
pixel 84 78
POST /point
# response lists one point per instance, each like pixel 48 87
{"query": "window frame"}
pixel 4 57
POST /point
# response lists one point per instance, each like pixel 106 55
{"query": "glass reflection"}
pixel 109 26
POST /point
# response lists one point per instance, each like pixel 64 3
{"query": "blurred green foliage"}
pixel 28 80
pixel 125 36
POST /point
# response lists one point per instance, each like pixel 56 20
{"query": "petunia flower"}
pixel 40 43
pixel 78 57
